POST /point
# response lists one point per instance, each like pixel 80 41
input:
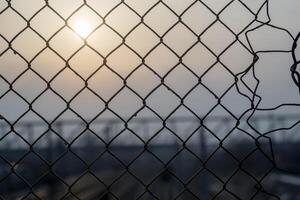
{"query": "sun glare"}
pixel 82 28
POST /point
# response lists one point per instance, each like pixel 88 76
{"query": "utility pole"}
pixel 204 187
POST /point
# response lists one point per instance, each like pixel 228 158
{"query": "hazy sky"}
pixel 273 69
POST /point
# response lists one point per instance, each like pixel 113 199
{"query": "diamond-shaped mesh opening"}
pixel 125 183
pixel 101 78
pixel 31 176
pixel 9 141
pixel 19 185
pixel 198 18
pixel 30 133
pixel 200 100
pixel 104 40
pixel 20 7
pixel 7 31
pixel 184 129
pixel 86 57
pixel 153 19
pixel 41 24
pixel 199 59
pixel 142 6
pixel 123 25
pixel 117 149
pixel 126 103
pixel 93 150
pixel 103 7
pixel 149 99
pixel 84 13
pixel 49 185
pixel 28 39
pixel 142 128
pixel 71 40
pixel 63 168
pixel 202 151
pixel 201 177
pixel 66 8
pixel 30 86
pixel 218 72
pixel 41 105
pixel 264 167
pixel 225 195
pixel 212 38
pixel 152 161
pixel 216 7
pixel 47 64
pixel 244 19
pixel 169 182
pixel 238 179
pixel 71 88
pixel 87 112
pixel 237 58
pixel 230 165
pixel 12 106
pixel 123 61
pixel 162 101
pixel 161 66
pixel 147 78
pixel 221 128
pixel 9 60
pixel 244 140
pixel 182 73
pixel 180 39
pixel 178 7
pixel 142 40
pixel 92 181
pixel 107 172
pixel 192 164
pixel 170 150
pixel 58 146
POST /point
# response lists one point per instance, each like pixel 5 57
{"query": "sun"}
pixel 82 27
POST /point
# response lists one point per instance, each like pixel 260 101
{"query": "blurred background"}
pixel 148 99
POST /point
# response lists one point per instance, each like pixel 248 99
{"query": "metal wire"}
pixel 239 81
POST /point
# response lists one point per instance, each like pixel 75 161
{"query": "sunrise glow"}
pixel 82 28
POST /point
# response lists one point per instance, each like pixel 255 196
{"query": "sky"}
pixel 276 86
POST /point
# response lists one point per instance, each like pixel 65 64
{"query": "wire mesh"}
pixel 68 154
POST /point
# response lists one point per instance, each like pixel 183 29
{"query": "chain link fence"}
pixel 147 99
